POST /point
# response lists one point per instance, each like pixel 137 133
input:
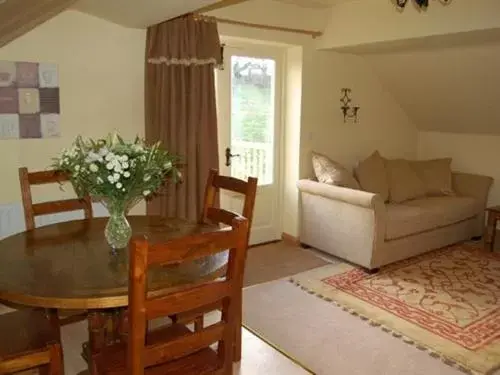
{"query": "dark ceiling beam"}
pixel 17 17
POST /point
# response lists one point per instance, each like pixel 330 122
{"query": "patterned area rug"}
pixel 446 302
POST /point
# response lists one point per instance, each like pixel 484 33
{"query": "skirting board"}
pixel 12 218
pixel 290 240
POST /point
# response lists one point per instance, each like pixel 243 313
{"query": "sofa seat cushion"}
pixel 420 215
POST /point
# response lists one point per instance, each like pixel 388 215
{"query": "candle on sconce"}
pixel 348 109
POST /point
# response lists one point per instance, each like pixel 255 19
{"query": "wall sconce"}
pixel 421 3
pixel 348 110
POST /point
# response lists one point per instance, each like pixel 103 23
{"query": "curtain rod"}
pixel 314 34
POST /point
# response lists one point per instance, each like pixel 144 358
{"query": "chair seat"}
pixel 113 359
pixel 203 362
pixel 24 332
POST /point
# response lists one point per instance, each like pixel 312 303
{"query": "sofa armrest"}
pixel 346 195
pixel 475 186
pixel 347 223
pixel 472 185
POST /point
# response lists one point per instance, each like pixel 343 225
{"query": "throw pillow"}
pixel 372 175
pixel 330 172
pixel 404 183
pixel 436 176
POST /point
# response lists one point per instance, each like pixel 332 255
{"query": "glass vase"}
pixel 118 231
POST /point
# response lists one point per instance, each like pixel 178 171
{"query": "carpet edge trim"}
pixel 277 348
pixel 418 345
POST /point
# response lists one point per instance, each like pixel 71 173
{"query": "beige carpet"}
pixel 444 303
pixel 326 339
pixel 277 260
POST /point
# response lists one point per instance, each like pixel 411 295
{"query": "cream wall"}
pixel 445 89
pixel 269 12
pixel 279 14
pixel 357 23
pixel 101 71
pixel 471 153
pixel 382 124
pixel 292 134
pixel 313 119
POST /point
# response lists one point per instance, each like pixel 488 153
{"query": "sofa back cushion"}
pixel 330 172
pixel 436 176
pixel 404 183
pixel 372 176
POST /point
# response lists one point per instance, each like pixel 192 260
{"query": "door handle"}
pixel 229 156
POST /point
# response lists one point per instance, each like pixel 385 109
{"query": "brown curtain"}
pixel 180 107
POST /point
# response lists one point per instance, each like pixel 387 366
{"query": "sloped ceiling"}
pixel 17 17
pixel 447 89
pixel 313 3
pixel 139 13
pixel 144 13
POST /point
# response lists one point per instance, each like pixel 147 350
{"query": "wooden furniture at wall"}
pixel 175 349
pixel 28 340
pixel 74 268
pixel 493 215
pixel 31 210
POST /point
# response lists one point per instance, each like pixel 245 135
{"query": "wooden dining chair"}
pixel 216 182
pixel 28 341
pixel 175 349
pixel 31 210
pixel 248 189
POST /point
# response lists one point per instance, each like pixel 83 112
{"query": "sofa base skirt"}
pixel 395 250
pixel 407 247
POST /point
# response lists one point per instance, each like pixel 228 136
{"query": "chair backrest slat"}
pixel 222 292
pixel 220 216
pixel 190 299
pixel 183 346
pixel 215 182
pixel 46 177
pixel 191 248
pixel 231 183
pixel 57 206
pixel 31 210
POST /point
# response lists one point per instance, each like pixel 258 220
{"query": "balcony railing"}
pixel 255 160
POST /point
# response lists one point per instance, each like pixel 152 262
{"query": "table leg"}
pixel 489 238
pixel 239 327
pixel 493 235
pixel 105 328
pixel 97 333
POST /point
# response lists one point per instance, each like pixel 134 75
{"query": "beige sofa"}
pixel 361 228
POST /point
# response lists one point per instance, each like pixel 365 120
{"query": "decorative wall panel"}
pixel 29 100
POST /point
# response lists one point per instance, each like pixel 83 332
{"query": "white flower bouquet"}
pixel 118 173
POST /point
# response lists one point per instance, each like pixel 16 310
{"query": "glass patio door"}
pixel 249 111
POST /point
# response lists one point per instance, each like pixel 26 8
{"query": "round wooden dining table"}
pixel 70 265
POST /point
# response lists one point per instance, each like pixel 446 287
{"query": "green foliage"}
pixel 253 110
pixel 114 170
pixel 254 127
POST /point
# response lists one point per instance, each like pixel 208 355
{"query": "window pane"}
pixel 252 118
